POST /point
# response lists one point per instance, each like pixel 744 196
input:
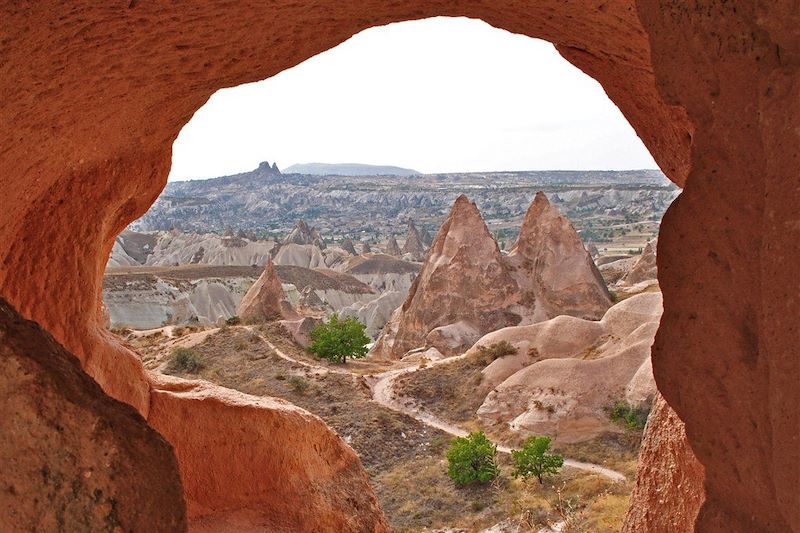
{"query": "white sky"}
pixel 437 95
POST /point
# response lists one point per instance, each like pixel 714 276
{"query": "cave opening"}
pixel 492 115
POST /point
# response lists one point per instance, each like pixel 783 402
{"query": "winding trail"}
pixel 383 393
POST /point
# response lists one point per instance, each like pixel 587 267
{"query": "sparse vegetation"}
pixel 487 354
pixel 472 459
pixel 534 460
pixel 233 321
pixel 630 416
pixel 185 360
pixel 336 339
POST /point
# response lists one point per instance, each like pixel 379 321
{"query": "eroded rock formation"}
pixel 466 288
pixel 265 299
pixel 413 246
pixel 568 371
pixel 711 88
pixel 392 248
pixel 73 458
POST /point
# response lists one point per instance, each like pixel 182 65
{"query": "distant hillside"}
pixel 348 169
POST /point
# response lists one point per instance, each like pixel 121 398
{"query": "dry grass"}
pixel 404 458
pixel 450 391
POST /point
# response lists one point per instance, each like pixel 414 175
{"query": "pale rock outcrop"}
pixel 170 248
pixel 644 268
pixel 392 248
pixel 347 246
pixel 613 271
pixel 463 278
pixel 265 300
pixel 375 313
pixel 301 233
pixel 568 371
pixel 553 268
pixel 466 288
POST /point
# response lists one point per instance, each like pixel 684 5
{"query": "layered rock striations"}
pixel 466 288
pixel 392 248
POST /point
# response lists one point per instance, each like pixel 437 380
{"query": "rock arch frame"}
pixel 94 94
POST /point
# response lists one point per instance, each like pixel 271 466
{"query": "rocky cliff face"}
pixel 414 245
pixel 567 371
pixel 669 477
pixel 466 288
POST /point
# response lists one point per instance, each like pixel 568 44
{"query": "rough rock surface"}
pixel 669 482
pixel 710 88
pixel 268 475
pixel 553 268
pixel 463 277
pixel 413 246
pixel 568 371
pixel 645 266
pixel 265 300
pixel 392 248
pixel 72 458
pixel 347 246
pixel 466 288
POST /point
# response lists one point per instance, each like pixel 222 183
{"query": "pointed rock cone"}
pixel 553 268
pixel 645 267
pixel 463 289
pixel 265 299
pixel 414 245
pixel 347 246
pixel 392 247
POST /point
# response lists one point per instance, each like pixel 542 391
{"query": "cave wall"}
pixel 94 94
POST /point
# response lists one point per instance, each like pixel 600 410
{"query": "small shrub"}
pixel 298 384
pixel 495 351
pixel 185 360
pixel 614 297
pixel 628 415
pixel 472 459
pixel 240 345
pixel 233 321
pixel 280 376
pixel 336 339
pixel 533 459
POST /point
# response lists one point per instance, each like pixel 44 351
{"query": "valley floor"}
pixel 402 438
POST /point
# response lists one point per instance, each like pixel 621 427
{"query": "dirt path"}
pixel 383 393
pixel 382 386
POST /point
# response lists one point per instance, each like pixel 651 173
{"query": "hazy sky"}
pixel 435 95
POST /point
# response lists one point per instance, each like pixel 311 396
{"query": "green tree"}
pixel 472 459
pixel 533 459
pixel 336 339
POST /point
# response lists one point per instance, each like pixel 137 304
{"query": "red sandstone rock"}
pixel 265 300
pixel 669 481
pixel 392 248
pixel 414 245
pixel 72 458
